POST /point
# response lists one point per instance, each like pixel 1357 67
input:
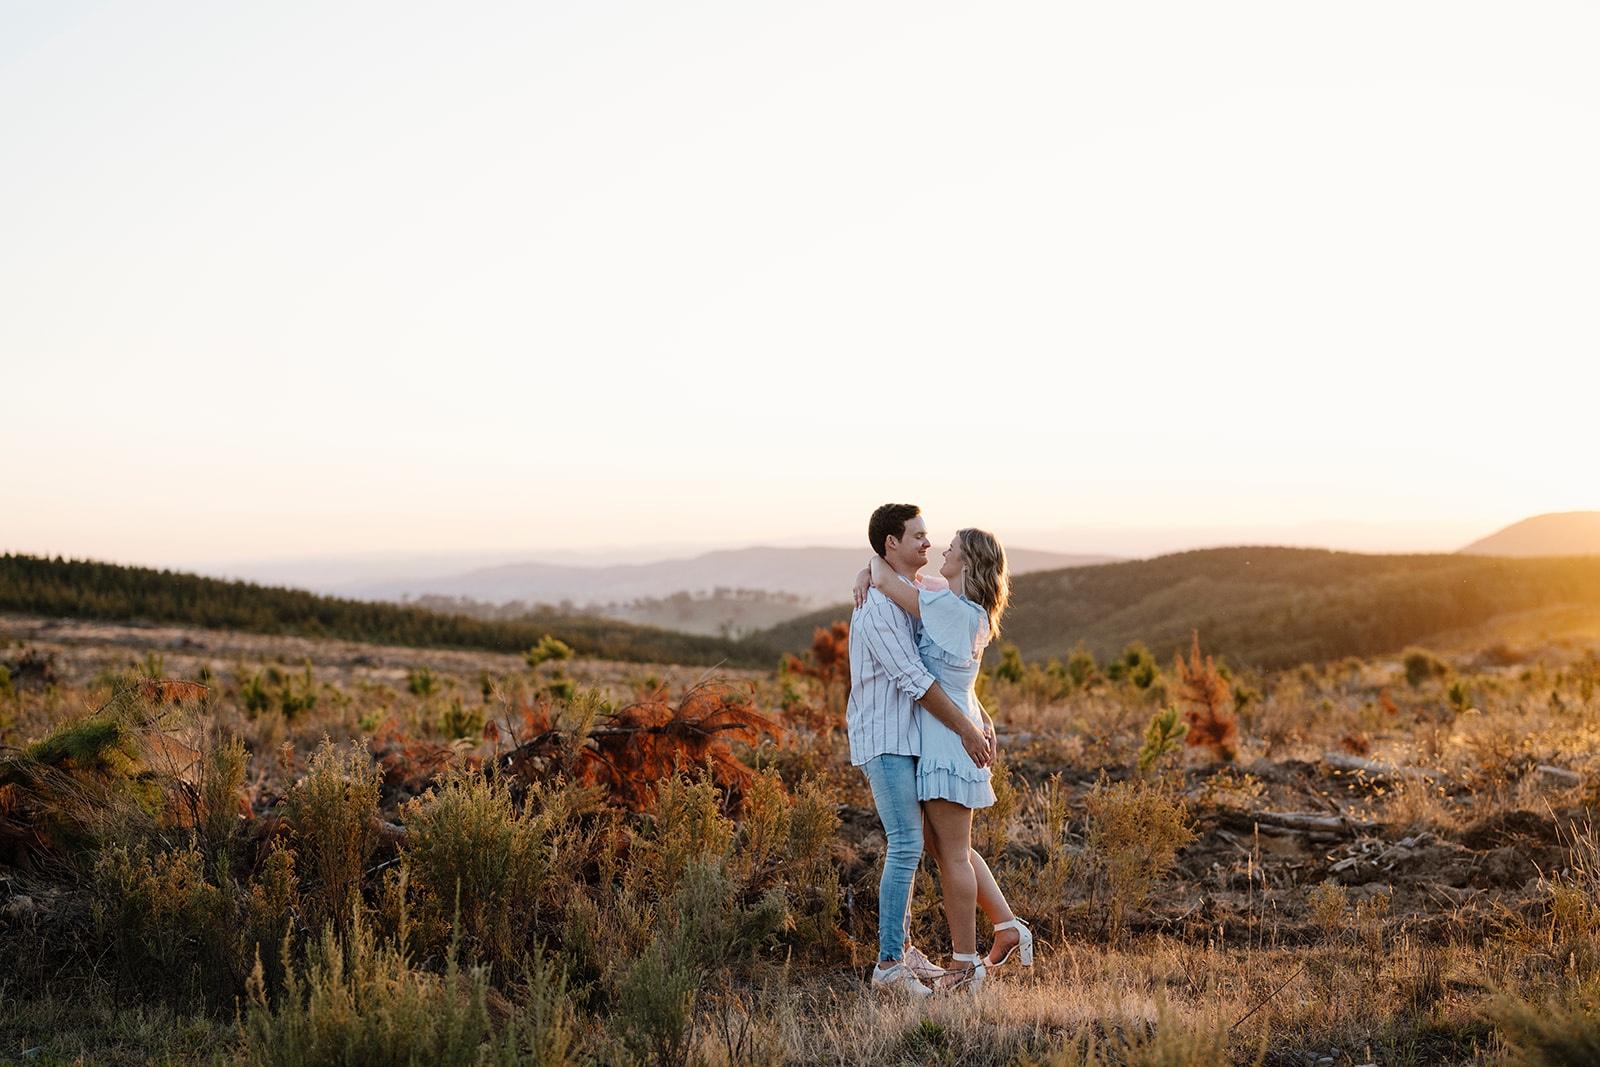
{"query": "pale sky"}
pixel 297 279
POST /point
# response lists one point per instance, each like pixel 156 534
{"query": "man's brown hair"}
pixel 889 521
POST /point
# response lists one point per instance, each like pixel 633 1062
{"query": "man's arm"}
pixel 973 738
pixel 891 647
pixel 888 645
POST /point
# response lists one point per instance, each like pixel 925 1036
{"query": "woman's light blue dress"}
pixel 954 632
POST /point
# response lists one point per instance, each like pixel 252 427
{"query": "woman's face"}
pixel 954 561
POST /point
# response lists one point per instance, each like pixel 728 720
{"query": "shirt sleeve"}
pixel 894 651
pixel 951 623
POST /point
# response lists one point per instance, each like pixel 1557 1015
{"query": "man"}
pixel 887 681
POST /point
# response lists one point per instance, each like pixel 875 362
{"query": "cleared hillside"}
pixel 85 589
pixel 1269 606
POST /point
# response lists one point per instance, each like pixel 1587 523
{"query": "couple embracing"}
pixel 925 743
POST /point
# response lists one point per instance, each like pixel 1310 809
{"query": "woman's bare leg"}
pixel 993 903
pixel 952 828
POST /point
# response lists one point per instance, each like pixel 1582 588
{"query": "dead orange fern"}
pixel 629 751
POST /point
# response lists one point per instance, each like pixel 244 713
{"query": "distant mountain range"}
pixel 1567 533
pixel 813 575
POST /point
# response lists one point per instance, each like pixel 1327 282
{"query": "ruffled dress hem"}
pixel 941 779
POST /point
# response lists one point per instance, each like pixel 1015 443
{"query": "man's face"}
pixel 910 550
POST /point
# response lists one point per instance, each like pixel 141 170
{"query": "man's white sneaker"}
pixel 920 965
pixel 897 978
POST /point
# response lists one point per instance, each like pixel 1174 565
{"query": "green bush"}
pixel 548 649
pixel 689 826
pixel 1164 735
pixel 1421 665
pixel 460 721
pixel 815 891
pixel 655 1005
pixel 171 930
pixel 470 853
pixel 1081 667
pixel 333 812
pixel 222 773
pixel 1135 665
pixel 1010 668
pixel 357 1001
pixel 421 682
pixel 253 692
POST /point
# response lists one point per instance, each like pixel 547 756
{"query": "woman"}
pixel 960 615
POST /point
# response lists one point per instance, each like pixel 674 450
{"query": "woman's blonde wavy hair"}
pixel 987 580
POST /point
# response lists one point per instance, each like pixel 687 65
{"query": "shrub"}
pixel 1421 665
pixel 1081 668
pixel 1327 904
pixel 705 928
pixel 1563 1030
pixel 90 781
pixel 689 826
pixel 170 928
pixel 294 694
pixel 356 1001
pixel 460 721
pixel 297 693
pixel 655 1005
pixel 270 904
pixel 1135 665
pixel 548 649
pixel 816 894
pixel 993 824
pixel 333 811
pixel 1134 831
pixel 1010 668
pixel 222 774
pixel 1162 736
pixel 763 832
pixel 253 692
pixel 470 853
pixel 421 682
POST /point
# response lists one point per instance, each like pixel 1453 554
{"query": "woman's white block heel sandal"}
pixel 1023 949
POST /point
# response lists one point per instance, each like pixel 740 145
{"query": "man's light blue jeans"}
pixel 894 791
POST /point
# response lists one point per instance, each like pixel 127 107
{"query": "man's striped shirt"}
pixel 886 678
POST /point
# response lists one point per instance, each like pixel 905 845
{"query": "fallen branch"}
pixel 1311 821
pixel 1559 776
pixel 1340 761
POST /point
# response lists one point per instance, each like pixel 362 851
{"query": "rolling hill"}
pixel 86 589
pixel 1568 533
pixel 1269 607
